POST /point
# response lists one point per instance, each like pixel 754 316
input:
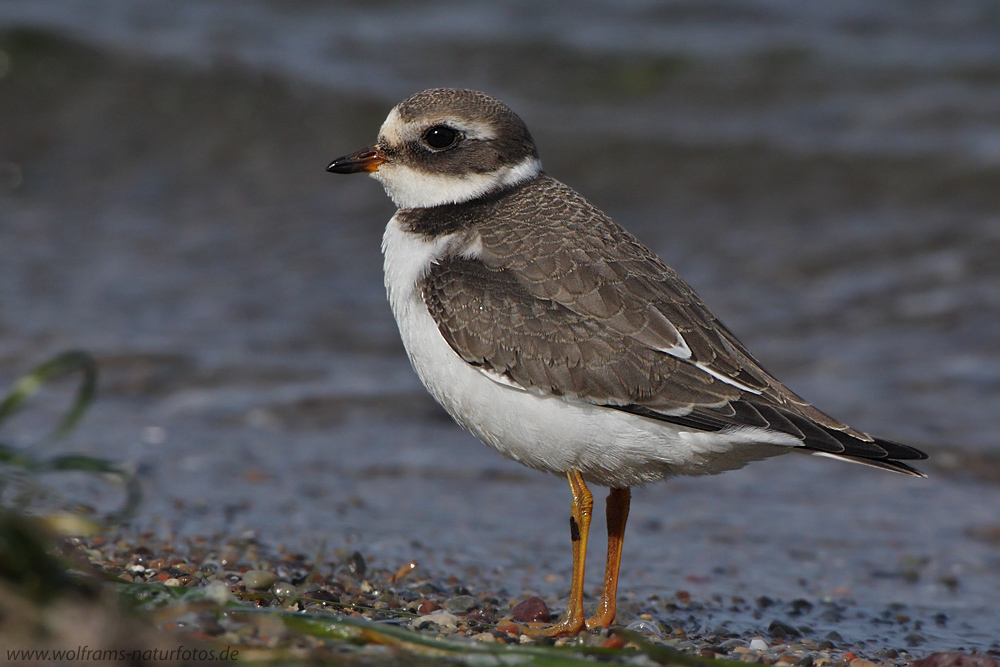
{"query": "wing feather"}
pixel 561 300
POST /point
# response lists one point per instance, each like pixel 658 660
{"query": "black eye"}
pixel 440 137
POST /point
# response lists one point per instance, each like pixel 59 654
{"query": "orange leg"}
pixel 618 503
pixel 579 527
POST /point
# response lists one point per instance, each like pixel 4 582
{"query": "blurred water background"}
pixel 826 175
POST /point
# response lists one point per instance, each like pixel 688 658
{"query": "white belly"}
pixel 607 446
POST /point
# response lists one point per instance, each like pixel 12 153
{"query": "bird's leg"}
pixel 617 512
pixel 579 527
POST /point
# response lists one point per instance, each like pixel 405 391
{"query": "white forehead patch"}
pixel 391 129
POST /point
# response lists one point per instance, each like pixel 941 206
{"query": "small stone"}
pixel 283 589
pixel 461 604
pixel 440 618
pixel 646 627
pixel 475 619
pixel 758 644
pixel 259 580
pixel 782 630
pixel 356 564
pixel 218 592
pixel 485 637
pixel 720 631
pixel 323 595
pixel 914 639
pixel 427 606
pixel 509 628
pixel 172 582
pixel 407 595
pixel 861 662
pixel 427 588
pixel 403 571
pixel 800 607
pixel 532 610
pixel 957 659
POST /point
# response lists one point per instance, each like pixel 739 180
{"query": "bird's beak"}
pixel 367 160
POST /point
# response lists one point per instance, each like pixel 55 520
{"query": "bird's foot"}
pixel 602 620
pixel 568 627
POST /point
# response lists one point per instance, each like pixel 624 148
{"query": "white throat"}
pixel 412 188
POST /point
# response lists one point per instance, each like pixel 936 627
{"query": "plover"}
pixel 560 340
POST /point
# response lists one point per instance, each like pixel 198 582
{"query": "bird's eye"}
pixel 440 137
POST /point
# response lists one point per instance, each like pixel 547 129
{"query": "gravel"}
pixel 348 585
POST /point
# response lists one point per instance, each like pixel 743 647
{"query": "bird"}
pixel 558 339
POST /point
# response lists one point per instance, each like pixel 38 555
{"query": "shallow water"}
pixel 826 176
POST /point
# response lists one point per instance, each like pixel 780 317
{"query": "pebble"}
pixel 427 606
pixel 861 662
pixel 445 607
pixel 403 571
pixel 461 604
pixel 259 580
pixel 532 610
pixel 323 596
pixel 356 564
pixel 509 628
pixel 779 629
pixel 440 618
pixel 283 589
pixel 407 595
pixel 957 659
pixel 427 588
pixel 218 592
pixel 644 626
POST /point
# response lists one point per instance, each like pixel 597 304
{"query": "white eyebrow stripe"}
pixel 396 132
pixel 471 130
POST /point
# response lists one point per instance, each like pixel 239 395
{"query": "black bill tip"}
pixel 366 160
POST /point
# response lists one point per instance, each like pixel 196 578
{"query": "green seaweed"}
pixel 26 464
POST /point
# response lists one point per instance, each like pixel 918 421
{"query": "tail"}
pixel 892 458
